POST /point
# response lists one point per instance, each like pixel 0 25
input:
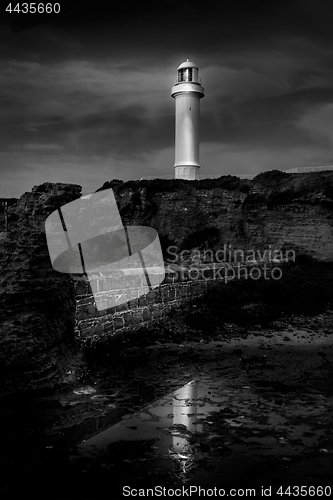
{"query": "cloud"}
pixel 74 89
pixel 317 123
pixel 20 172
pixel 224 159
pixel 86 97
pixel 38 147
pixel 80 103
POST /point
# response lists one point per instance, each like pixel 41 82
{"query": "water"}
pixel 206 427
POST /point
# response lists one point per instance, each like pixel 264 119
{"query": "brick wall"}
pixel 140 310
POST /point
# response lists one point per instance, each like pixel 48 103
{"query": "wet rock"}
pixel 37 304
pixel 253 360
pixel 204 446
pixel 275 385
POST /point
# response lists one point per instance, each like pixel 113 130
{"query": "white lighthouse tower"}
pixel 187 92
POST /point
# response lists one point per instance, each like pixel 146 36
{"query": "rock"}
pixel 37 304
pixel 204 446
pixel 281 211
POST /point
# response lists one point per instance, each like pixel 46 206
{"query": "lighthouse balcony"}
pixel 181 88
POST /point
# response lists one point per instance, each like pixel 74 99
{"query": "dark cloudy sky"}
pixel 85 97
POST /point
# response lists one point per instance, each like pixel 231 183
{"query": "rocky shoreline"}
pixel 287 365
pixel 263 346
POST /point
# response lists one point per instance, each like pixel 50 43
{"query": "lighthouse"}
pixel 187 93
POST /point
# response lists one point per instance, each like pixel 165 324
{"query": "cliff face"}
pixel 37 304
pixel 5 203
pixel 292 211
pixel 185 214
pixel 283 211
pixel 302 227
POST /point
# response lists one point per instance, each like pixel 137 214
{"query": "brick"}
pixel 137 317
pixel 146 314
pixel 84 332
pixel 118 322
pixel 157 307
pixel 86 322
pixel 91 331
pixel 106 319
pixel 122 307
pixel 109 327
pixel 133 304
pixel 142 301
pixel 151 298
pixel 92 309
pixel 158 296
pixel 80 312
pixel 156 313
pixel 99 328
pixel 165 291
pixel 168 307
pixel 128 318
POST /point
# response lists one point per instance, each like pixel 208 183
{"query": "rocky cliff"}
pixel 275 210
pixel 37 304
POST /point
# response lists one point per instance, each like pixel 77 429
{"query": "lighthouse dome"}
pixel 187 64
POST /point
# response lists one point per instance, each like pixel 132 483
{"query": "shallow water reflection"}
pixel 169 425
pixel 225 421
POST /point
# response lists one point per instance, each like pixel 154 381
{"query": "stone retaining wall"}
pixel 142 309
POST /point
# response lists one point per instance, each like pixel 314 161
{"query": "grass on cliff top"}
pixel 273 187
pixel 277 188
pixel 228 182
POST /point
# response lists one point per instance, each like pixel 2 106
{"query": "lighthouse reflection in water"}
pixel 185 424
pixel 168 428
